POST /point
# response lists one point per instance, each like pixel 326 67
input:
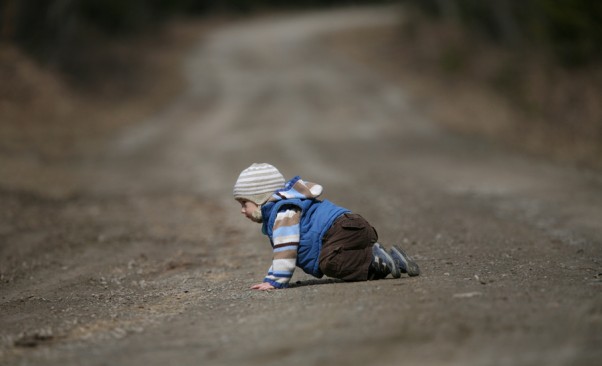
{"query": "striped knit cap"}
pixel 257 183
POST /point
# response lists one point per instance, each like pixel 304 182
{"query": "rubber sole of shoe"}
pixel 398 254
pixel 395 272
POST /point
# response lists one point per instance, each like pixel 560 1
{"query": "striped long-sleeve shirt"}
pixel 286 230
pixel 286 242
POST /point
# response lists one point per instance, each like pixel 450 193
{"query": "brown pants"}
pixel 347 248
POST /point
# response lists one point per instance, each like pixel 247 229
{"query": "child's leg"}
pixel 347 248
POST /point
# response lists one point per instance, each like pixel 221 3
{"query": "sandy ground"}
pixel 138 255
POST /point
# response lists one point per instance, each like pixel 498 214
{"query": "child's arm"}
pixel 286 241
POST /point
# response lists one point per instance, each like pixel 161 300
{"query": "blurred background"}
pixel 72 71
pixel 61 60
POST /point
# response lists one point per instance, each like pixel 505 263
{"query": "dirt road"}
pixel 138 255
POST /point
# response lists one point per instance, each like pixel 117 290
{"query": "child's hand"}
pixel 264 286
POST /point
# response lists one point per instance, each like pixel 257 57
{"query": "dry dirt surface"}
pixel 139 256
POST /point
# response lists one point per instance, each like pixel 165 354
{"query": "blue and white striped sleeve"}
pixel 285 237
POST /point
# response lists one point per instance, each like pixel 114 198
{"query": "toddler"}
pixel 316 235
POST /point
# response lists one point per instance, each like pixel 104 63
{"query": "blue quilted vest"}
pixel 316 218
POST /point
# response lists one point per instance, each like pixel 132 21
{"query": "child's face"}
pixel 247 209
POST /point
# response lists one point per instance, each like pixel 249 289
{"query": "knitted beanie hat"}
pixel 257 183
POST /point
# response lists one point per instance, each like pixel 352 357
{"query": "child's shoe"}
pixel 404 262
pixel 382 264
